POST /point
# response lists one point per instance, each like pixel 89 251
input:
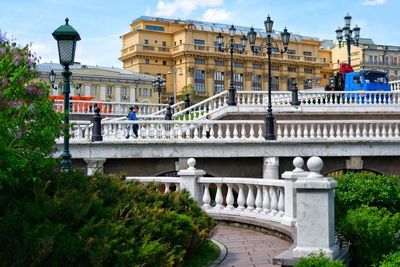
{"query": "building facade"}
pixel 104 83
pixel 185 53
pixel 371 56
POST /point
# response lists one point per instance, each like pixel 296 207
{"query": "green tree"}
pixel 318 261
pixel 28 125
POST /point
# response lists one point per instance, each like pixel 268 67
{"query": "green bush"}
pixel 74 220
pixel 318 261
pixel 373 233
pixel 356 189
pixel 391 260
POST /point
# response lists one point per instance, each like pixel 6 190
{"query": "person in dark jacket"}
pixel 132 117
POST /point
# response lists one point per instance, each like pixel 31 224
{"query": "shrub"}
pixel 356 189
pixel 318 261
pixel 70 219
pixel 28 125
pixel 373 232
pixel 391 260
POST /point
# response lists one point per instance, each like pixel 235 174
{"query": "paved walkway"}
pixel 248 247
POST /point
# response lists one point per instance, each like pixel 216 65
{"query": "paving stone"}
pixel 248 248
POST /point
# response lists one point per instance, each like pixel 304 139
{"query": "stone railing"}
pixel 177 107
pixel 301 199
pixel 322 98
pixel 336 130
pixel 107 108
pixel 203 108
pixel 242 131
pixel 395 85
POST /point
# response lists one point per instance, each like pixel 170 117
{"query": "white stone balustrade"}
pixel 336 130
pixel 107 108
pixel 169 183
pixel 177 107
pixel 252 197
pixel 185 130
pixel 201 109
pixel 395 85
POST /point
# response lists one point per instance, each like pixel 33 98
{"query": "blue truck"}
pixel 363 84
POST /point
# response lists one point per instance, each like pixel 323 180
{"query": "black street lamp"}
pixel 348 34
pixel 231 47
pixel 66 37
pixel 159 84
pixel 269 44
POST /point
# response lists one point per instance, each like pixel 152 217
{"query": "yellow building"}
pixel 104 83
pixel 185 53
pixel 369 56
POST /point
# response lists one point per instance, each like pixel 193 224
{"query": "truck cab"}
pixel 368 80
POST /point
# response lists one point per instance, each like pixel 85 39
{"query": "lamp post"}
pixel 348 35
pixel 269 44
pixel 159 84
pixel 231 47
pixel 66 37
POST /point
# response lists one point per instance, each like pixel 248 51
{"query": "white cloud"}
pixel 183 7
pixel 217 15
pixel 373 2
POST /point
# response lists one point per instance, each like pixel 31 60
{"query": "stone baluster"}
pixel 196 132
pixel 285 132
pixel 229 198
pixel 377 131
pixel 252 131
pixel 241 199
pixel 188 134
pixel 371 131
pixel 212 131
pixel 384 131
pixel 344 132
pixel 206 197
pixel 180 132
pixel 219 198
pixel 396 131
pixel 292 131
pixel 281 204
pixel 325 131
pixel 331 131
pixel 266 199
pixel 227 132
pixel 260 132
pixel 390 131
pixel 250 198
pixel 219 133
pixel 166 185
pixel 319 132
pixel 274 200
pixel 243 132
pixel 259 199
pixel 203 132
pixel 279 132
pixel 298 132
pixel 235 132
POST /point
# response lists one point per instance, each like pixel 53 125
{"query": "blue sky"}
pixel 100 22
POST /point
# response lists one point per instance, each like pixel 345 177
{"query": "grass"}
pixel 204 256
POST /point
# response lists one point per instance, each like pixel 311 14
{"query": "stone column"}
pixel 117 96
pixel 132 94
pixel 87 90
pixel 290 178
pixel 95 164
pixel 102 92
pixel 271 168
pixel 315 213
pixel 188 181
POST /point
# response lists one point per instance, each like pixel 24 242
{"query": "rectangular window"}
pixel 238 81
pixel 124 93
pixel 199 61
pixel 140 92
pixel 164 63
pixel 274 67
pixel 307 53
pixel 291 51
pixel 386 61
pixel 109 91
pixel 307 84
pixel 154 28
pixel 256 82
pixel 275 83
pixel 219 82
pixel 151 92
pixel 371 59
pixel 395 61
pixel 308 71
pixel 238 65
pixel 94 90
pixel 199 42
pixel 164 43
pixel 145 92
pixel 375 59
pixel 146 61
pixel 291 69
pixel 199 81
pixel 219 63
pixel 256 66
pixel 146 42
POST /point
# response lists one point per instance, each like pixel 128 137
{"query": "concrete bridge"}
pixel 346 134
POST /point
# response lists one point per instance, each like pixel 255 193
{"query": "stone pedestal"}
pixel 315 213
pixel 188 181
